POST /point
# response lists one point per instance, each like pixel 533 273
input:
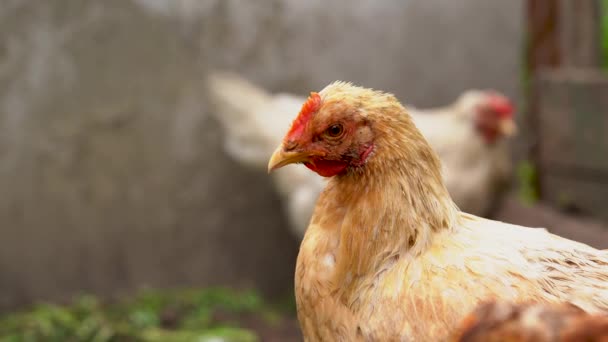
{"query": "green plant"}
pixel 527 180
pixel 150 316
pixel 604 32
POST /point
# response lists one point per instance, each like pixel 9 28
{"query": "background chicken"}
pixel 467 135
pixel 502 321
pixel 254 122
pixel 387 255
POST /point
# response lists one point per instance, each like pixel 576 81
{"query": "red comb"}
pixel 502 106
pixel 311 106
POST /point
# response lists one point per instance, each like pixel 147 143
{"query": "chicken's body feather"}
pixel 422 297
pixel 253 119
pixel 497 321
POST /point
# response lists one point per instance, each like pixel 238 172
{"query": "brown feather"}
pixel 501 321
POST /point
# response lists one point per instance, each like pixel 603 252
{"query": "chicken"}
pixel 387 255
pixel 529 322
pixel 254 122
pixel 467 135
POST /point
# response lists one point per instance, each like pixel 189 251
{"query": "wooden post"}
pixel 568 103
pixel 580 34
pixel 542 52
pixel 543 48
pixel 561 34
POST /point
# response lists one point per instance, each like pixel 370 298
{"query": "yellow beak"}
pixel 280 158
pixel 507 127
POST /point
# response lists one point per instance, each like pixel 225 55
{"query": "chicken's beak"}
pixel 280 158
pixel 507 127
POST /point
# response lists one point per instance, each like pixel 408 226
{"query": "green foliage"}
pixel 604 6
pixel 171 316
pixel 527 179
pixel 47 322
pixel 211 335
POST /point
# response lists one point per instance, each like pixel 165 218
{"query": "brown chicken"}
pixel 508 322
pixel 387 255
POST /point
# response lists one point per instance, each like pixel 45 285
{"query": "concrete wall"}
pixel 112 176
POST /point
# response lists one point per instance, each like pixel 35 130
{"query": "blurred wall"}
pixel 113 176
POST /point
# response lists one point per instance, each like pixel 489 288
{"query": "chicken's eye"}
pixel 335 131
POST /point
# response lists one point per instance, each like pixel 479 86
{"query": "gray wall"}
pixel 112 175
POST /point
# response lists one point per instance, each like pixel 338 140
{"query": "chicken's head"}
pixel 491 112
pixel 330 135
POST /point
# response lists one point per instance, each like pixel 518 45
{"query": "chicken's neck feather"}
pixel 391 207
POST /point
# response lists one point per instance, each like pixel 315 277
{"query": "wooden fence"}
pixel 568 110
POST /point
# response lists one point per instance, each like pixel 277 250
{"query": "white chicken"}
pixel 254 122
pixel 467 135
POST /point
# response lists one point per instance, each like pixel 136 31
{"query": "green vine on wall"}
pixel 604 33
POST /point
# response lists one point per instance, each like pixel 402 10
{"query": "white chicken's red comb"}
pixel 501 105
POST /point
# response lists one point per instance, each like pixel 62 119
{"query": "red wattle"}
pixel 327 168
